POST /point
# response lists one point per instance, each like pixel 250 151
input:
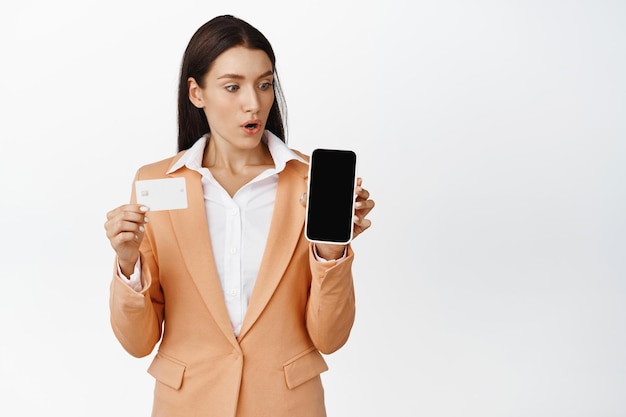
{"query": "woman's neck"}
pixel 235 167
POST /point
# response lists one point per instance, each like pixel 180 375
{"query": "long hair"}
pixel 210 40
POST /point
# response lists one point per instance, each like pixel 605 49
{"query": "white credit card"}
pixel 162 194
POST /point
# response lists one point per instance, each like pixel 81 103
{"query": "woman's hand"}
pixel 362 207
pixel 125 230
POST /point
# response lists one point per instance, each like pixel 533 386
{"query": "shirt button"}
pixel 233 212
pixel 233 250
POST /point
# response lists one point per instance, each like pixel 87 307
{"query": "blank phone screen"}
pixel 330 205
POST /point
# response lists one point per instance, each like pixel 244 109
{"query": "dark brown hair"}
pixel 210 40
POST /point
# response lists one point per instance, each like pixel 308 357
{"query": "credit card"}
pixel 162 194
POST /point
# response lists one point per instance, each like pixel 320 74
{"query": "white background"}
pixel 491 135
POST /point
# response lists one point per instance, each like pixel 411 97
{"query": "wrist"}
pixel 127 268
pixel 329 252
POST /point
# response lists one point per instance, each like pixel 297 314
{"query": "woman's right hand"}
pixel 125 230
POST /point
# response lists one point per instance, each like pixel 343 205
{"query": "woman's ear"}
pixel 195 93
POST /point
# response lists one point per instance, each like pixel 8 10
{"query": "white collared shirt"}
pixel 238 226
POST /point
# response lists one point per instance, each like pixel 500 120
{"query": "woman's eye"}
pixel 265 86
pixel 232 88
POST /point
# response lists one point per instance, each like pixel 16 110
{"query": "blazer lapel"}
pixel 285 230
pixel 192 233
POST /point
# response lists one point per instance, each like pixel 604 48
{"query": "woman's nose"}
pixel 251 101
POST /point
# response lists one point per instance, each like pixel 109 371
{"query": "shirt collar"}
pixel 281 153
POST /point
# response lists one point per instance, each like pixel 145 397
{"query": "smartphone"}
pixel 331 196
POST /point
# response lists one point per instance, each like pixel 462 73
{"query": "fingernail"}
pixel 136 237
pixel 146 220
pixel 144 208
pixel 141 229
pixel 355 219
pixel 358 204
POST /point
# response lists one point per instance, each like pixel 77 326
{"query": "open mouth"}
pixel 252 127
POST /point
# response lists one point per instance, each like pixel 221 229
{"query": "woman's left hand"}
pixel 362 206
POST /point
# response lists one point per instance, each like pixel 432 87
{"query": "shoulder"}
pixel 301 155
pixel 157 169
pixel 299 167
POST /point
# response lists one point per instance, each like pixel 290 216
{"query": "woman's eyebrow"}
pixel 239 76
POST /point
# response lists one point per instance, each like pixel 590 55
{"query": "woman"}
pixel 241 303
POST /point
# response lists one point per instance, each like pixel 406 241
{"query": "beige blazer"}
pixel 299 308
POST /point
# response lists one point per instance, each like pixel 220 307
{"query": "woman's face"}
pixel 237 96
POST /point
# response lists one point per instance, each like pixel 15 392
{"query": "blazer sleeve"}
pixel 331 306
pixel 137 317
